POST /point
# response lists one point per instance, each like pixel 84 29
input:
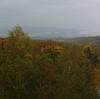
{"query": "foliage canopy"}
pixel 31 69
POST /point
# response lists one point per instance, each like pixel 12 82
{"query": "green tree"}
pixel 17 71
pixel 90 53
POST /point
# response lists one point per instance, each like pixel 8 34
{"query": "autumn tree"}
pixel 16 72
pixel 76 75
pixel 91 55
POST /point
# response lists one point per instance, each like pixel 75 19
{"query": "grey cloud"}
pixel 78 14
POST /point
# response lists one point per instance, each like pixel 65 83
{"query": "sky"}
pixel 75 14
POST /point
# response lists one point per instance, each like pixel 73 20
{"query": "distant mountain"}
pixel 45 32
pixel 59 34
pixel 82 40
pixel 70 35
pixel 50 32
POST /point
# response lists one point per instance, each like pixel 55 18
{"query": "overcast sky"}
pixel 77 14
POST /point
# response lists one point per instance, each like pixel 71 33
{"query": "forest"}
pixel 47 69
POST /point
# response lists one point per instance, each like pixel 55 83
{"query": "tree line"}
pixel 46 69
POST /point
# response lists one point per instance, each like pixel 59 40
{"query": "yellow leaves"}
pixel 83 54
pixel 58 49
pixel 22 46
pixel 87 46
pixel 42 49
pixel 54 48
pixel 28 55
pixel 47 48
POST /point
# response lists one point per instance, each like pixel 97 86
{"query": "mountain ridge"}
pixel 46 31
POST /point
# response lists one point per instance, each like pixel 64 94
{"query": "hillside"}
pixel 82 40
pixel 46 69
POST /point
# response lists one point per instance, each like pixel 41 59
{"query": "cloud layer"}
pixel 77 14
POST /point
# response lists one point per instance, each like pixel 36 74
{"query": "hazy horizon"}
pixel 51 32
